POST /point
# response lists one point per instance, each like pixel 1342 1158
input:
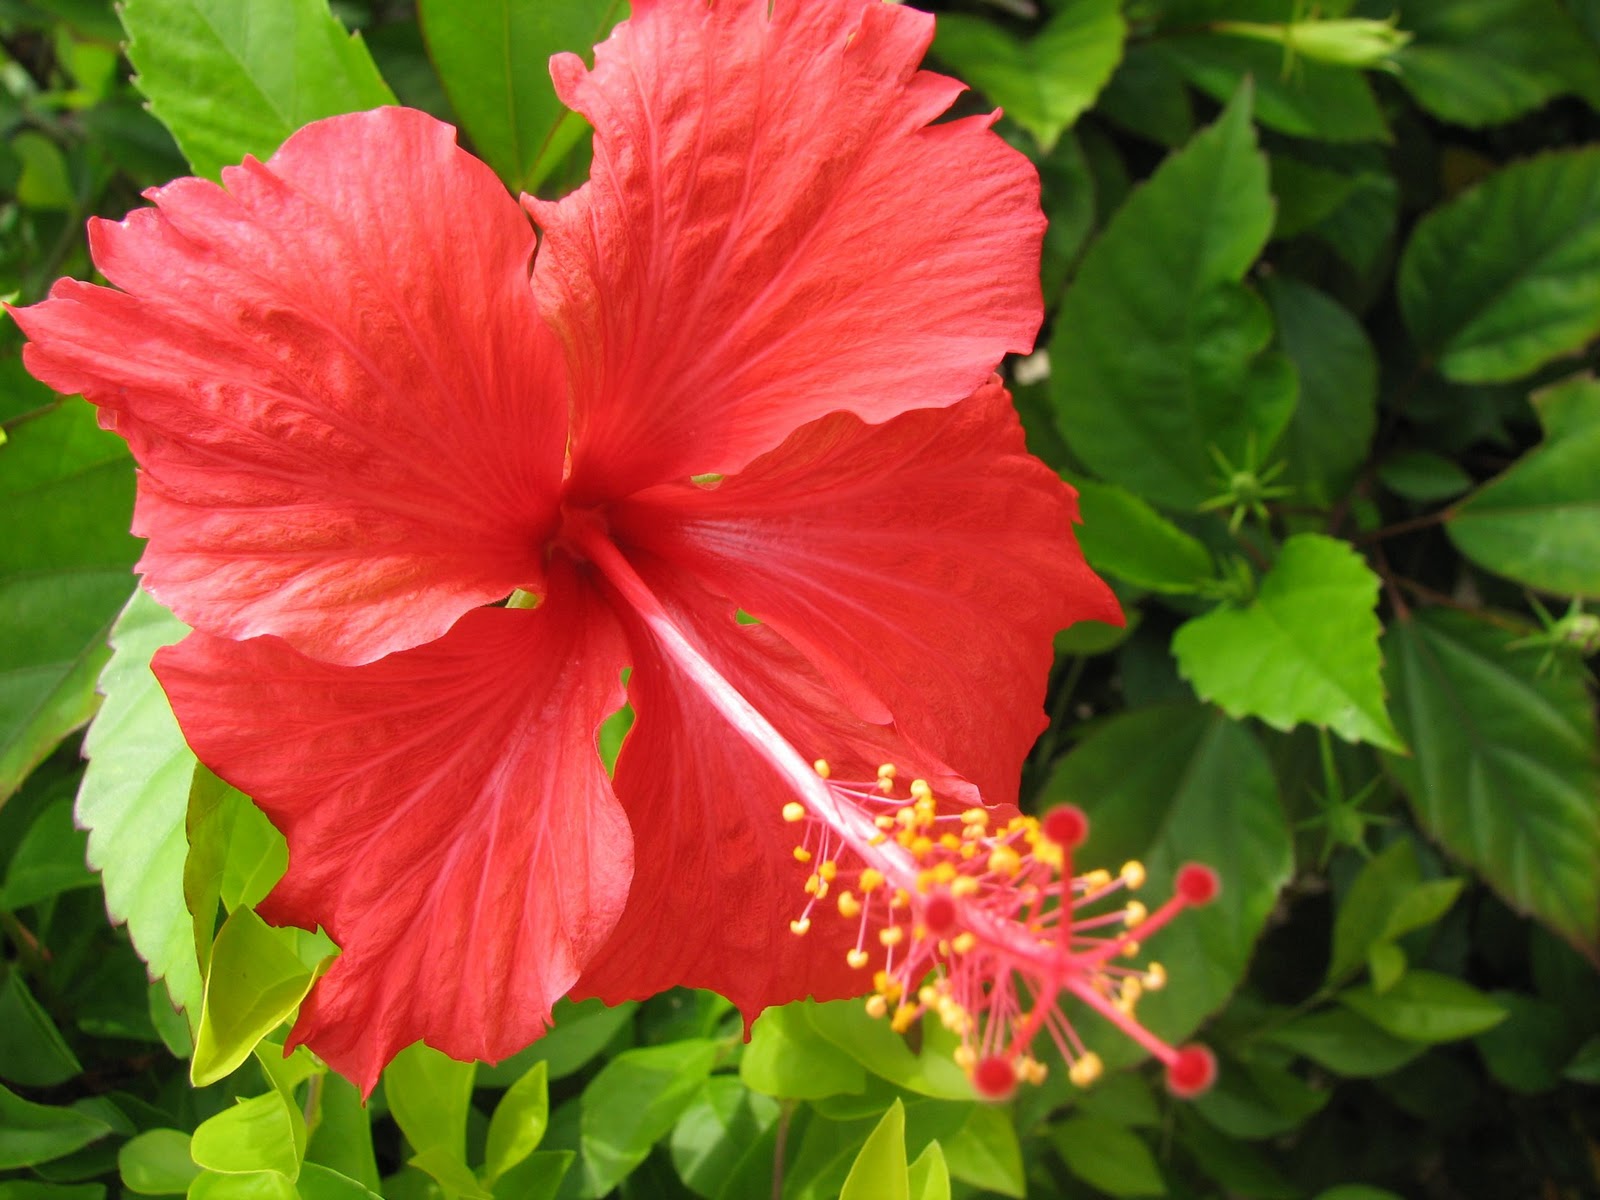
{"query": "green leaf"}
pixel 1208 795
pixel 1484 62
pixel 32 1050
pixel 235 855
pixel 493 58
pixel 1505 767
pixel 929 1177
pixel 134 798
pixel 1044 83
pixel 1345 1043
pixel 1424 1006
pixel 255 981
pixel 1327 438
pixel 450 1173
pixel 1125 537
pixel 66 487
pixel 342 1137
pixel 258 1134
pixel 248 1185
pixel 37 1133
pixel 1108 1157
pixel 1356 1191
pixel 1157 355
pixel 1375 909
pixel 985 1152
pixel 1423 476
pixel 880 1170
pixel 231 79
pixel 1386 965
pixel 1539 522
pixel 48 861
pixel 518 1124
pixel 631 1104
pixel 1308 99
pixel 723 1144
pixel 320 1183
pixel 1304 650
pixel 1527 1052
pixel 429 1096
pixel 933 1072
pixel 787 1057
pixel 1253 1100
pixel 537 1177
pixel 157 1163
pixel 1506 276
pixel 580 1031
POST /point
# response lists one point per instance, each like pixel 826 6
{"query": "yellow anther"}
pixel 877 1006
pixel 944 872
pixel 970 850
pixel 927 995
pixel 920 790
pixel 976 817
pixel 1134 914
pixel 900 899
pixel 1132 874
pixel 886 771
pixel 884 820
pixel 966 1057
pixel 964 942
pixel 813 882
pixel 857 958
pixel 884 986
pixel 849 906
pixel 794 811
pixel 1086 1070
pixel 1130 949
pixel 1004 860
pixel 1031 1070
pixel 799 928
pixel 906 817
pixel 963 885
pixel 1155 977
pixel 886 786
pixel 822 768
pixel 801 854
pixel 949 841
pixel 1050 854
pixel 1129 995
pixel 828 869
pixel 1095 880
pixel 877 839
pixel 921 846
pixel 891 935
pixel 903 1016
pixel 871 880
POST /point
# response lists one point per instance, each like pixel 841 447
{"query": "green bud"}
pixel 1348 42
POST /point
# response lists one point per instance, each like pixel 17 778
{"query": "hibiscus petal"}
pixel 715 880
pixel 773 231
pixel 449 820
pixel 923 565
pixel 350 419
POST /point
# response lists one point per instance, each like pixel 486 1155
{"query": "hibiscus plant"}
pixel 799 598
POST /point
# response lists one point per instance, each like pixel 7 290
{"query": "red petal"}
pixel 449 821
pixel 772 231
pixel 715 881
pixel 350 419
pixel 923 565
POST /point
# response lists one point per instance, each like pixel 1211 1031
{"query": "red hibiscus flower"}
pixel 752 369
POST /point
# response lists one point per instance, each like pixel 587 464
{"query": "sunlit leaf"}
pixel 880 1170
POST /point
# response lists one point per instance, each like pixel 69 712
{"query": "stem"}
pixel 1411 525
pixel 778 1147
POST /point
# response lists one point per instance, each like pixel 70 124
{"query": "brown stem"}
pixel 1411 525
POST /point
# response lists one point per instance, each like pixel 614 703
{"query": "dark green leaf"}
pixel 49 860
pixel 232 79
pixel 493 58
pixel 32 1051
pixel 1256 1100
pixel 1505 767
pixel 1506 276
pixel 1539 522
pixel 631 1104
pixel 1157 356
pixel 36 1133
pixel 1304 650
pixel 1425 1006
pixel 1423 476
pixel 1345 1043
pixel 1529 1049
pixel 722 1145
pixel 1125 537
pixel 985 1152
pixel 1108 1157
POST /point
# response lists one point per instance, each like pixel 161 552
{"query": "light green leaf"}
pixel 1158 354
pixel 248 1185
pixel 1044 83
pixel 1209 796
pixel 518 1124
pixel 32 1050
pixel 320 1183
pixel 1506 276
pixel 929 1177
pixel 1108 1157
pixel 134 798
pixel 1309 99
pixel 1424 1006
pixel 259 1134
pixel 880 1171
pixel 231 79
pixel 787 1057
pixel 1345 1043
pixel 1304 650
pixel 37 1133
pixel 1484 62
pixel 66 487
pixel 49 860
pixel 1386 964
pixel 1505 768
pixel 235 855
pixel 1123 536
pixel 1539 522
pixel 342 1137
pixel 537 1177
pixel 429 1095
pixel 493 57
pixel 255 981
pixel 723 1144
pixel 1337 413
pixel 985 1152
pixel 157 1163
pixel 450 1173
pixel 631 1104
pixel 933 1072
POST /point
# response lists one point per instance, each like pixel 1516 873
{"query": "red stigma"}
pixel 1197 884
pixel 994 1078
pixel 1066 826
pixel 939 915
pixel 1192 1072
